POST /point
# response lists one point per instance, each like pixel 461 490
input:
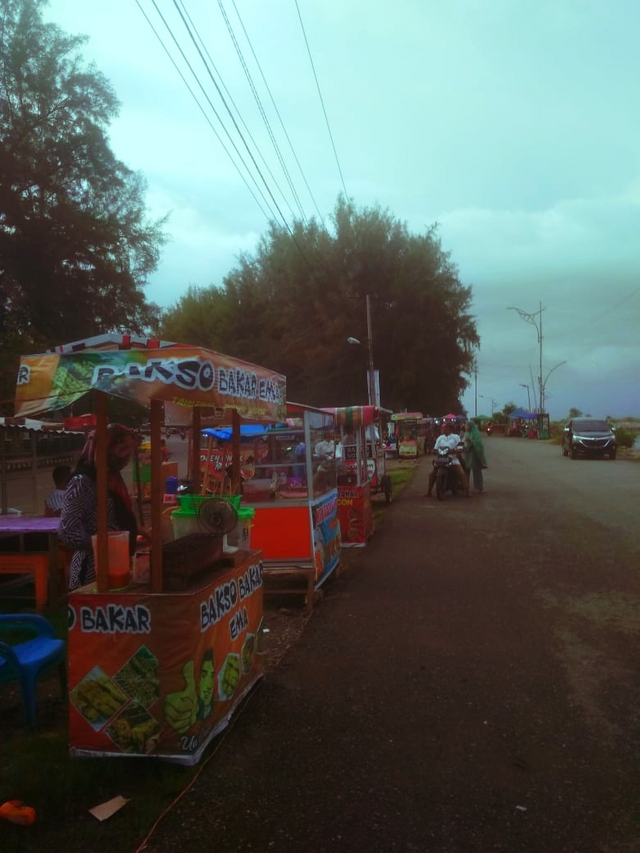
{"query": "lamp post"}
pixel 373 396
pixel 530 318
pixel 494 403
pixel 523 385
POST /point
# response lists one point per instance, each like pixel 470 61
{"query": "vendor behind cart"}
pixel 79 521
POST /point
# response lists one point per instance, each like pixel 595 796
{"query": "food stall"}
pixel 157 668
pixel 361 470
pixel 294 493
pixel 406 432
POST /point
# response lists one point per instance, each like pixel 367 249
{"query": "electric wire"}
pixel 326 117
pixel 277 111
pixel 235 123
pixel 203 111
pixel 229 95
pixel 261 109
pixel 171 33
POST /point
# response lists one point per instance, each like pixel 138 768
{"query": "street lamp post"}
pixel 373 396
pixel 529 318
pixel 494 403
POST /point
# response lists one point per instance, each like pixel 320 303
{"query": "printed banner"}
pixel 183 376
pixel 326 536
pixel 160 675
pixel 356 515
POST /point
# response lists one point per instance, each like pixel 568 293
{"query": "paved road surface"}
pixel 471 685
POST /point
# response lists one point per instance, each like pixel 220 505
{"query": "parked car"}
pixel 589 437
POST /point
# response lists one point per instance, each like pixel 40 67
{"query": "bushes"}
pixel 625 437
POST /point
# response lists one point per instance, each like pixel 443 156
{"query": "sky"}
pixel 513 124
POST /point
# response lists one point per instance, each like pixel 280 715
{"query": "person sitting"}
pixel 449 440
pixel 55 499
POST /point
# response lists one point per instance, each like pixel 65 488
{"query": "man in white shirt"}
pixel 450 440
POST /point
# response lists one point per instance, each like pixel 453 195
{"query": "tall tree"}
pixel 76 245
pixel 294 303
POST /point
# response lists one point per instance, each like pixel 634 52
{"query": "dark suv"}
pixel 590 437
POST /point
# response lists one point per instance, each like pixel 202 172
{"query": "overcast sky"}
pixel 512 123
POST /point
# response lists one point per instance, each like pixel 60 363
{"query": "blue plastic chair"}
pixel 26 662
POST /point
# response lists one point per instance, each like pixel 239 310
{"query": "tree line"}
pixel 77 247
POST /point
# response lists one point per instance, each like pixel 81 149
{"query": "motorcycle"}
pixel 446 479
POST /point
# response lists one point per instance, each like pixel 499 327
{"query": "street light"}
pixel 373 396
pixel 529 318
pixel 494 403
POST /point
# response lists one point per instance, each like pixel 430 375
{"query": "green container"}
pixel 191 503
pixel 246 512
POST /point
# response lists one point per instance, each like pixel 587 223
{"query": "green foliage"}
pixel 76 246
pixel 293 304
pixel 625 437
pixel 574 413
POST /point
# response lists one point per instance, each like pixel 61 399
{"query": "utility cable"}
pixel 326 118
pixel 214 109
pixel 202 110
pixel 275 107
pixel 261 109
pixel 286 224
pixel 235 123
pixel 229 95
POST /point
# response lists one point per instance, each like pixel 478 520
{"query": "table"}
pixel 40 564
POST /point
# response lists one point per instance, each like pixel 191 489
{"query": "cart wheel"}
pixel 386 486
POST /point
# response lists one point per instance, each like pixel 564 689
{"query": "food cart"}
pixel 406 432
pixel 294 493
pixel 361 470
pixel 157 669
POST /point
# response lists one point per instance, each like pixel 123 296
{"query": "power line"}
pixel 275 107
pixel 230 96
pixel 202 110
pixel 189 66
pixel 261 108
pixel 326 118
pixel 235 123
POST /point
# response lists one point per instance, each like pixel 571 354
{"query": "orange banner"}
pixel 160 675
pixel 184 376
pixel 355 513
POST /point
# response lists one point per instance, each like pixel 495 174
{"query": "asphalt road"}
pixel 471 684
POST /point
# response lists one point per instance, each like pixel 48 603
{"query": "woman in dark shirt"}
pixel 79 520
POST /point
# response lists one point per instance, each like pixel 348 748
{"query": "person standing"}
pixel 79 519
pixel 474 455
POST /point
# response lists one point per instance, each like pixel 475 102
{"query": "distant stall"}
pixel 406 432
pixel 294 493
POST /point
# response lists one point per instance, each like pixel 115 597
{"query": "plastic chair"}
pixel 28 661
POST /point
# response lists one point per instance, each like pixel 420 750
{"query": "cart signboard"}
pixel 142 681
pixel 183 376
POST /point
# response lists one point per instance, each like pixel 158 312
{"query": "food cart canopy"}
pixel 185 376
pixel 407 416
pixel 247 431
pixel 352 417
pixel 522 415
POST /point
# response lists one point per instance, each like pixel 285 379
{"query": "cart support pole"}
pixel 102 476
pixel 157 493
pixel 194 466
pixel 235 452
